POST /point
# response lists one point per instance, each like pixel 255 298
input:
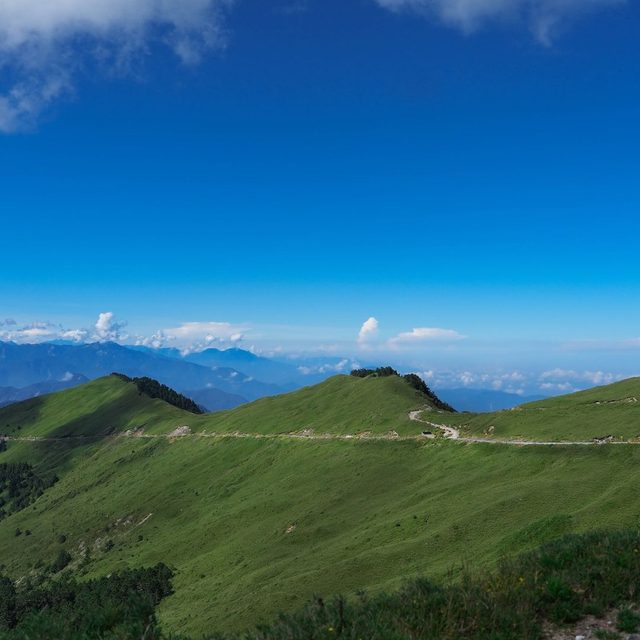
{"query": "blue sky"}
pixel 290 169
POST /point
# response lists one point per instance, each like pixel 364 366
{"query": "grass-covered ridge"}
pixel 115 404
pixel 340 405
pixel 254 526
pixel 103 407
pixel 608 412
pixel 412 379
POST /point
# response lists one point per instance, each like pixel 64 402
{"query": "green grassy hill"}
pixel 340 405
pixel 612 410
pixel 254 526
pixel 103 407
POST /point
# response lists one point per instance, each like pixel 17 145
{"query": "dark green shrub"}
pixel 628 620
pixel 62 560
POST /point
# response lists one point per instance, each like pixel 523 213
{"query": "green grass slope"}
pixel 103 407
pixel 111 405
pixel 255 526
pixel 76 420
pixel 612 410
pixel 340 405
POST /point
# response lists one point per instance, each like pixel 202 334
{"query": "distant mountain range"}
pixel 483 400
pixel 33 364
pixel 9 395
pixel 286 376
pixel 215 400
pixel 213 378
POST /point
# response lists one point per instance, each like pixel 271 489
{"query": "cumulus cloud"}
pixel 45 45
pixel 368 331
pixel 189 336
pixel 108 329
pixel 426 334
pixel 545 18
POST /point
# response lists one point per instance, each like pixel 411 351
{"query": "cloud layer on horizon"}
pixel 196 336
pixel 40 44
pixel 545 18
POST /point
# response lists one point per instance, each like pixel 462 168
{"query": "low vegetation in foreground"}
pixel 525 598
pixel 120 606
pixel 556 585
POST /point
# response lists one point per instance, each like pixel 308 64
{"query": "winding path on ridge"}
pixel 449 433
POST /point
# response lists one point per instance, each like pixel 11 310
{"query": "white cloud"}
pixel 74 335
pixel 426 334
pixel 368 332
pixel 108 329
pixel 343 366
pixel 45 44
pixel 545 18
pixel 557 387
pixel 190 336
pixel 195 336
pixel 581 377
pixel 31 333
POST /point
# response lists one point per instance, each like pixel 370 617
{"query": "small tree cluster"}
pixel 119 606
pixel 19 487
pixel 380 372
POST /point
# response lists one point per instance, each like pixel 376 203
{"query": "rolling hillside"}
pixel 339 405
pixel 254 525
pixel 612 411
